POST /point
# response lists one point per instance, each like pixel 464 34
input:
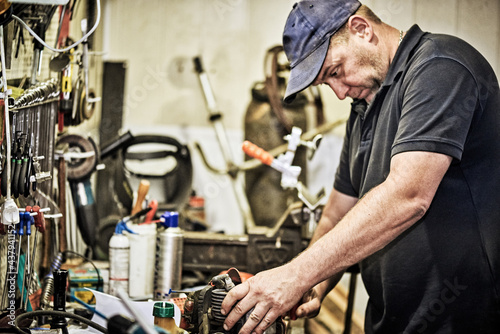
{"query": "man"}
pixel 417 192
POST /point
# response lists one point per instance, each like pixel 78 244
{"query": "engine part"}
pixel 202 308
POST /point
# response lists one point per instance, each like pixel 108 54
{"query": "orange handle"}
pixel 141 196
pixel 151 214
pixel 256 152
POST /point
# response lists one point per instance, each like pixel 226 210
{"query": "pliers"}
pixel 24 177
pixel 18 166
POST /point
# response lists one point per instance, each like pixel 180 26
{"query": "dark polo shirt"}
pixel 443 274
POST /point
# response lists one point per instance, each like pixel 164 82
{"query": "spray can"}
pixel 169 244
pixel 119 254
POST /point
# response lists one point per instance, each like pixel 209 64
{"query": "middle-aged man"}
pixel 416 198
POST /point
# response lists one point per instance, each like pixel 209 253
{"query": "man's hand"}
pixel 268 295
pixel 310 304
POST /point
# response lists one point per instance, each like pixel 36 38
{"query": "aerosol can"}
pixel 169 244
pixel 119 259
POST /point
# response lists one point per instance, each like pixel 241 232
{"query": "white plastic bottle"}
pixel 142 260
pixel 119 255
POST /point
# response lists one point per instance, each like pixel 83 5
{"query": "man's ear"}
pixel 361 27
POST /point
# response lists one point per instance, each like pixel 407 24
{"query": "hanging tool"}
pixel 20 38
pixel 18 164
pixel 66 103
pixel 37 51
pixel 10 212
pixel 215 117
pixel 7 172
pixel 81 154
pixel 29 169
pixel 23 174
pixel 28 220
pixel 61 184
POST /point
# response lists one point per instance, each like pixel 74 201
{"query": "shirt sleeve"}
pixel 440 97
pixel 342 181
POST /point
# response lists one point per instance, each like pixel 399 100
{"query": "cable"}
pixel 91 31
pixel 59 314
pixel 87 306
pixel 99 279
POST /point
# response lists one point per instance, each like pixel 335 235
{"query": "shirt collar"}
pixel 412 38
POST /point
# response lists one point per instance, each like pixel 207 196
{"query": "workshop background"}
pixel 163 95
pixel 141 68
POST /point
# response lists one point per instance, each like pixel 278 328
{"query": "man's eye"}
pixel 334 74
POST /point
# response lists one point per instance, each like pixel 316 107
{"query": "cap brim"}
pixel 304 73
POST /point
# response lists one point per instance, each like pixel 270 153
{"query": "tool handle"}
pixel 141 196
pixel 256 152
pixel 39 219
pixel 151 214
pixel 15 179
pixel 20 226
pixel 27 181
pixel 22 176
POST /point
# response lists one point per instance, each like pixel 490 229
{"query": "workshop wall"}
pixel 159 38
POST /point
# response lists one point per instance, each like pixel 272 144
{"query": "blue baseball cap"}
pixel 306 38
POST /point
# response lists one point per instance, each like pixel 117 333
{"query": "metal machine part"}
pixel 261 249
pixel 202 308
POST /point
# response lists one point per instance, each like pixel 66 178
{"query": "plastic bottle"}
pixel 142 260
pixel 119 254
pixel 169 245
pixel 164 317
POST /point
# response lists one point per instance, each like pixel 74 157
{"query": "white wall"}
pixel 158 39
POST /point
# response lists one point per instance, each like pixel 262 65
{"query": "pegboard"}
pixel 21 66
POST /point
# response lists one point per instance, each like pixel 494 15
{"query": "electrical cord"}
pixel 99 279
pixel 57 314
pixel 90 32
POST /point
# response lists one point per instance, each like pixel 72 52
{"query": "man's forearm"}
pixel 377 219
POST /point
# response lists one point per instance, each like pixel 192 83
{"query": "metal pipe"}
pixel 215 118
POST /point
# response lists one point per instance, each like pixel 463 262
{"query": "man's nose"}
pixel 339 89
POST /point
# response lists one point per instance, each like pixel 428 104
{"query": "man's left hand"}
pixel 268 295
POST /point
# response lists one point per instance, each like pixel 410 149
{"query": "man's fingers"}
pixel 233 296
pixel 257 321
pixel 234 307
pixel 309 309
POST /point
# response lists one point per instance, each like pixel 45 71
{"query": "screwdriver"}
pixel 27 222
pixel 24 169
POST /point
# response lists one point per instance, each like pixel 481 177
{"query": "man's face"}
pixel 353 69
